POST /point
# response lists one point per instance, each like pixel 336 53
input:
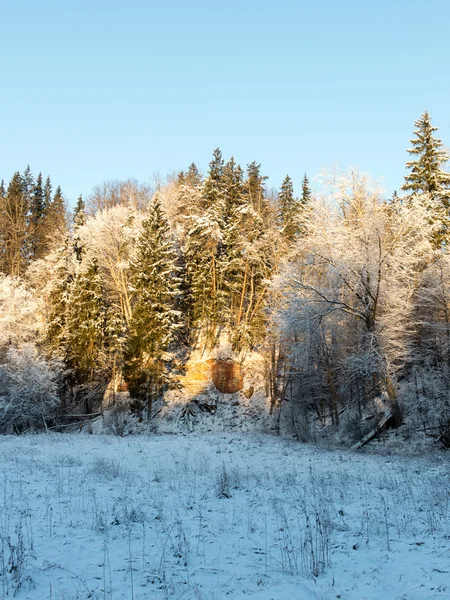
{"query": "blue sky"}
pixel 106 89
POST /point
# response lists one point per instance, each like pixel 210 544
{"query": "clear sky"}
pixel 105 89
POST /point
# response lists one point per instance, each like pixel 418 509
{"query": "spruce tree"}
pixel 306 191
pixel 288 210
pixel 233 265
pixel 213 189
pixel 79 219
pixel 63 277
pixel 193 177
pixel 28 183
pixel 55 223
pixel 47 192
pixel 255 188
pixel 426 170
pixel 85 322
pixel 233 183
pixel 155 319
pixel 37 219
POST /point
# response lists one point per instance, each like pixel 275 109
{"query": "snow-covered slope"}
pixel 209 517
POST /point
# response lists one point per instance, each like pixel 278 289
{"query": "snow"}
pixel 215 516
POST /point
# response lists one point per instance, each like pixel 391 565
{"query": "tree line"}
pixel 343 291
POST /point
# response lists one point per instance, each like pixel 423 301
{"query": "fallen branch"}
pixel 388 415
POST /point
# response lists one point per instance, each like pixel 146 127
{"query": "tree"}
pixel 193 177
pixel 155 318
pixel 37 213
pixel 288 210
pixel 426 173
pixel 13 215
pixel 350 293
pixel 255 188
pixel 306 191
pixel 55 219
pixel 129 193
pixel 21 313
pixel 213 188
pixel 47 192
pixel 83 336
pixel 79 219
pixel 31 388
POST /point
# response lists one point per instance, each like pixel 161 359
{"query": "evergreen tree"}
pixel 2 189
pixel 79 220
pixel 233 183
pixel 37 219
pixel 306 191
pixel 55 219
pixel 63 277
pixel 28 184
pixel 255 188
pixel 426 170
pixel 288 210
pixel 85 321
pixel 47 193
pixel 213 189
pixel 155 320
pixel 193 177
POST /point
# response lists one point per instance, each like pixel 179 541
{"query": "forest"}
pixel 344 293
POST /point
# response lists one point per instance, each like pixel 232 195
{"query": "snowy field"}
pixel 216 517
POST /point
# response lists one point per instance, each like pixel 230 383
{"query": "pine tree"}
pixel 2 189
pixel 288 210
pixel 155 320
pixel 426 173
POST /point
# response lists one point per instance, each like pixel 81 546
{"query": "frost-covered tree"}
pixel 155 318
pixel 109 237
pixel 30 390
pixel 349 295
pixel 85 320
pixel 110 194
pixel 21 313
pixel 427 175
pixel 61 270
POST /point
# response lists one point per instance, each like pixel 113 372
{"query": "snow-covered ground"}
pixel 211 517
